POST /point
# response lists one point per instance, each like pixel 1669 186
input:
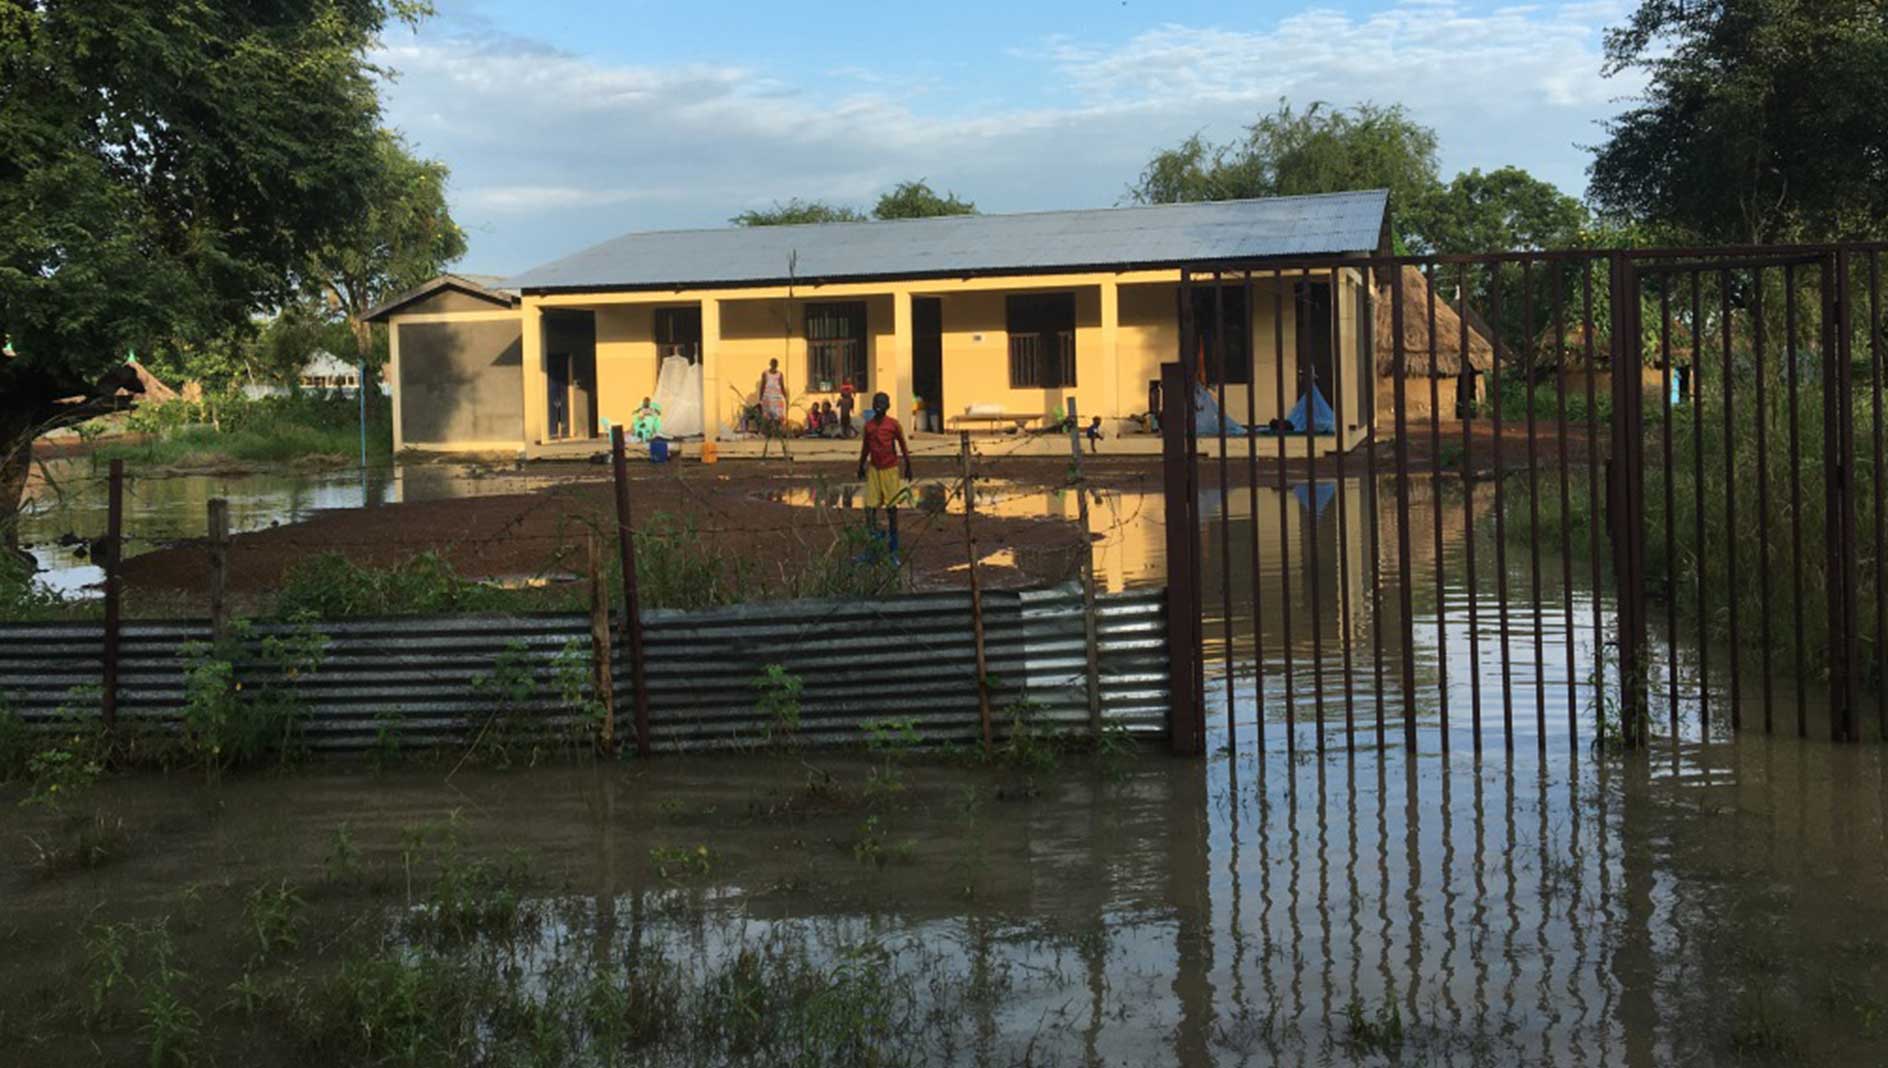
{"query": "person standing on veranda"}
pixel 880 449
pixel 773 396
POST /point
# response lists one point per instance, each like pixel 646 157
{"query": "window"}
pixel 678 333
pixel 1042 340
pixel 1237 330
pixel 835 345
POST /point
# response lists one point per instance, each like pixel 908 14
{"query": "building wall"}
pixel 758 325
pixel 459 383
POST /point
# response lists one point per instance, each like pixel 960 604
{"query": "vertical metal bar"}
pixel 1627 503
pixel 114 559
pixel 1435 500
pixel 1194 359
pixel 1839 480
pixel 1252 490
pixel 1405 570
pixel 632 601
pixel 1566 502
pixel 1671 541
pixel 1343 518
pixel 1373 525
pixel 1183 595
pixel 1501 520
pixel 1732 591
pixel 1313 561
pixel 1796 502
pixel 1468 522
pixel 1533 504
pixel 1588 330
pixel 1225 513
pixel 1284 514
pixel 1881 514
pixel 1697 480
pixel 1763 503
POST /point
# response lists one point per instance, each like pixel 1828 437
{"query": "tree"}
pixel 797 211
pixel 1506 209
pixel 169 169
pixel 403 236
pixel 916 200
pixel 1290 152
pixel 1761 121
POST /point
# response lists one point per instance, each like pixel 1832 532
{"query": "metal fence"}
pixel 431 681
pixel 1656 516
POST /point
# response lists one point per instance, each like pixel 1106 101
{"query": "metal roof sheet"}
pixel 1164 234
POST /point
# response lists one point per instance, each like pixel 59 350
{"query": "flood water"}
pixel 1720 897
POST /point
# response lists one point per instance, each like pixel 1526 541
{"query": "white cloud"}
pixel 552 151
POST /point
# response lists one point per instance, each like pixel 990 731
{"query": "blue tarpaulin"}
pixel 1323 420
pixel 1207 416
pixel 1315 497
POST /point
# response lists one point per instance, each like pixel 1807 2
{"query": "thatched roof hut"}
pixel 1416 346
pixel 154 391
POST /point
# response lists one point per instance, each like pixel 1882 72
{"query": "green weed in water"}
pixel 273 915
pixel 1378 1032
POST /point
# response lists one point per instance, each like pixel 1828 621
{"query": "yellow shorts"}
pixel 883 487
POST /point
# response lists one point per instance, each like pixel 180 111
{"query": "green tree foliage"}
pixel 906 200
pixel 1762 120
pixel 917 200
pixel 1504 209
pixel 796 211
pixel 169 170
pixel 403 236
pixel 1291 152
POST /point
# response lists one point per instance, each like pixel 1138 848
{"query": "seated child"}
pixel 1094 434
pixel 648 421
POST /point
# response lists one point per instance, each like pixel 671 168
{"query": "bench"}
pixel 1016 423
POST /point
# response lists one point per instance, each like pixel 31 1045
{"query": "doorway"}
pixel 927 359
pixel 570 371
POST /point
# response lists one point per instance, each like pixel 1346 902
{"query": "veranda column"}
pixel 710 368
pixel 1110 406
pixel 536 389
pixel 894 371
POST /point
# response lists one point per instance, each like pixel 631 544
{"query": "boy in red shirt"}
pixel 881 446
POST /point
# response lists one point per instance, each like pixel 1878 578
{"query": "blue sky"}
pixel 566 123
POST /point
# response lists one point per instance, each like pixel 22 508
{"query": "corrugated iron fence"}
pixel 435 680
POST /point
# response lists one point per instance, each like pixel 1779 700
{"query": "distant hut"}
pixel 1571 349
pixel 154 391
pixel 1424 363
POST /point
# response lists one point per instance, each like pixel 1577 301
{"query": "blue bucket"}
pixel 658 451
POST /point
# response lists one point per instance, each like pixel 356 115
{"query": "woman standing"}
pixel 773 394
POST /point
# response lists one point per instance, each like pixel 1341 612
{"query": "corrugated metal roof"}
pixel 1164 234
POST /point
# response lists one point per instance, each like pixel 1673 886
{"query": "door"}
pixel 558 374
pixel 927 357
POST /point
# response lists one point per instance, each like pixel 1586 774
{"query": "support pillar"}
pixel 536 388
pixel 710 368
pixel 1110 406
pixel 893 374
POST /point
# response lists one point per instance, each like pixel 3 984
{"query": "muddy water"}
pixel 1636 911
pixel 166 506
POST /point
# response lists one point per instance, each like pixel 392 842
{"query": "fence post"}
pixel 600 644
pixel 1091 636
pixel 219 568
pixel 976 590
pixel 632 609
pixel 1627 479
pixel 1186 713
pixel 114 537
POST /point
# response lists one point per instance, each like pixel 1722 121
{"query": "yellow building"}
pixel 978 315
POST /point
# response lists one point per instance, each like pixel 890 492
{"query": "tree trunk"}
pixel 16 457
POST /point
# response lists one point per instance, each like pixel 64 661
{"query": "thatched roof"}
pixel 1573 347
pixel 1416 347
pixel 153 391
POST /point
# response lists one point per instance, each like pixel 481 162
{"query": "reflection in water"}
pixel 165 508
pixel 1673 907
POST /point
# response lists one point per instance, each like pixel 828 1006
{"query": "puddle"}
pixel 163 508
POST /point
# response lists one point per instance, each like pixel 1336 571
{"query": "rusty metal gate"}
pixel 1531 498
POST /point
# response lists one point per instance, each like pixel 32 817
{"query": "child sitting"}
pixel 812 421
pixel 1094 435
pixel 648 421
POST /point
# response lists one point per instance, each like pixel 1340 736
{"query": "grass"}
pixel 222 430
